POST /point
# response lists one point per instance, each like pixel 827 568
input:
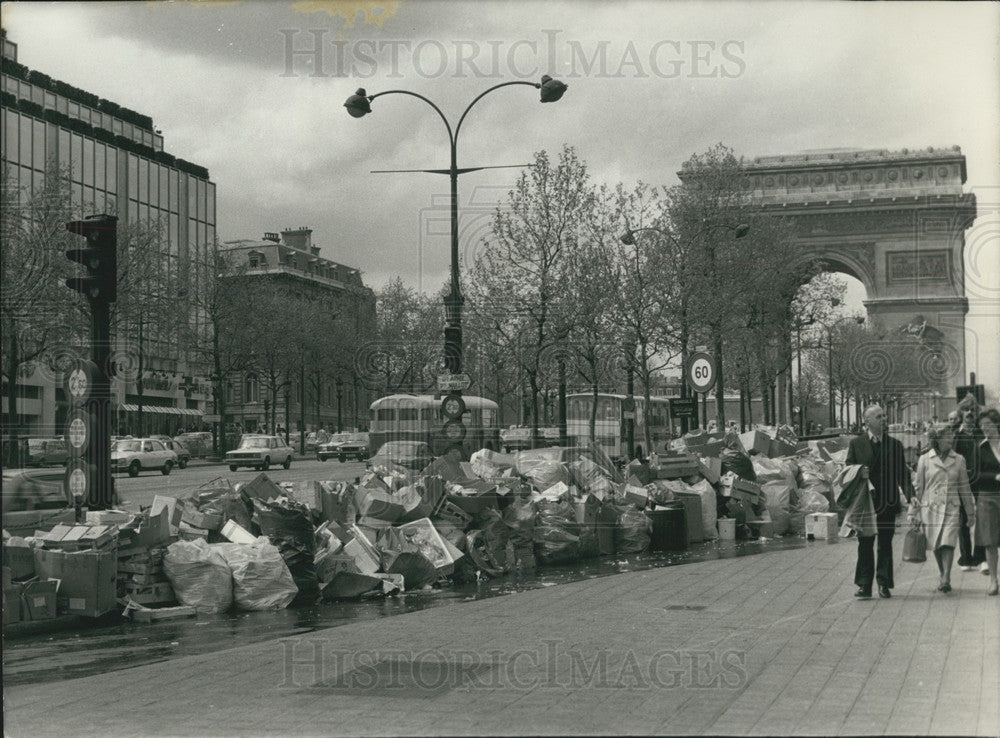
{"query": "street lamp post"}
pixel 359 105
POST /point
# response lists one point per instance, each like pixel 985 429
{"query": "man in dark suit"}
pixel 885 467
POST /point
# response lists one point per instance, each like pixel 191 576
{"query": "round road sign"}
pixel 76 433
pixel 77 482
pixel 80 378
pixel 454 431
pixel 701 371
pixel 453 406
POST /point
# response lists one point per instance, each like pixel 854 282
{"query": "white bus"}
pixel 419 418
pixel 610 425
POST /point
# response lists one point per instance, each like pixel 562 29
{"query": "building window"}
pixel 250 389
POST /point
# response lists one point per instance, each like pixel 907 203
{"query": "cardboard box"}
pixel 110 517
pixel 756 442
pixel 237 533
pixel 261 487
pixel 335 500
pixel 780 447
pixel 145 533
pixel 376 503
pixel 822 526
pixel 170 504
pixel 206 520
pixel 328 565
pixel 88 579
pixel 39 599
pixel 20 560
pixel 710 468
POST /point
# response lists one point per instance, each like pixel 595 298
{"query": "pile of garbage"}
pixel 264 545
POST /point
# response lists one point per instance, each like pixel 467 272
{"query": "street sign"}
pixel 454 431
pixel 452 382
pixel 453 407
pixel 700 371
pixel 76 482
pixel 684 407
pixel 80 380
pixel 212 418
pixel 76 433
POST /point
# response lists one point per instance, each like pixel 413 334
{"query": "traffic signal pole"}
pixel 89 470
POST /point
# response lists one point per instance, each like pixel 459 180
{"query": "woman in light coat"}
pixel 941 490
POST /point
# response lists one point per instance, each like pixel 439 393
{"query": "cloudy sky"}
pixel 233 87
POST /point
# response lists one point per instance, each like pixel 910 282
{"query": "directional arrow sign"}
pixel 451 382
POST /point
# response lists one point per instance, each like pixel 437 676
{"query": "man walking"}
pixel 885 467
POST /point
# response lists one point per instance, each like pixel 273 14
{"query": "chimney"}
pixel 298 238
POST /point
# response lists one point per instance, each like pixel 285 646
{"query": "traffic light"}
pixel 100 257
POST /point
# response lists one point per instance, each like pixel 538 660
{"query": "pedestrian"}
pixel 986 481
pixel 942 489
pixel 967 440
pixel 954 419
pixel 885 467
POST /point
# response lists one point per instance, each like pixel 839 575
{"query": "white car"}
pixel 260 452
pixel 135 454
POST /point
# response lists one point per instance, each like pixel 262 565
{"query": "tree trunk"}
pixel 720 385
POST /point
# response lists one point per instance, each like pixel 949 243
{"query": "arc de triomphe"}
pixel 896 221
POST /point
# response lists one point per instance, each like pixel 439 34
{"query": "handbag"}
pixel 915 545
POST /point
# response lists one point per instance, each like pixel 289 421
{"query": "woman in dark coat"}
pixel 986 483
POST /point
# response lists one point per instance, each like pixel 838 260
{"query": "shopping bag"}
pixel 915 545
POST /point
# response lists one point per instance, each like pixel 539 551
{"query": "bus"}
pixel 419 418
pixel 610 426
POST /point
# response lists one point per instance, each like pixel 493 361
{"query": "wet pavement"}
pixel 109 646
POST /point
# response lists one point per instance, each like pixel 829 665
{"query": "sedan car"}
pixel 259 452
pixel 47 452
pixel 33 489
pixel 405 456
pixel 199 443
pixel 349 446
pixel 136 454
pixel 183 454
pixel 328 449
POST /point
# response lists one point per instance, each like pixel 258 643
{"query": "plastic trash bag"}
pixel 556 541
pixel 199 575
pixel 519 518
pixel 288 525
pixel 633 532
pixel 261 579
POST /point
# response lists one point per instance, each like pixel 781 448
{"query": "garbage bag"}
pixel 737 461
pixel 778 498
pixel 542 473
pixel 199 575
pixel 709 509
pixel 633 532
pixel 288 525
pixel 520 520
pixel 261 579
pixel 591 478
pixel 555 539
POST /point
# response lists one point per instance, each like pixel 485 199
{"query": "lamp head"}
pixel 628 238
pixel 742 229
pixel 551 89
pixel 358 104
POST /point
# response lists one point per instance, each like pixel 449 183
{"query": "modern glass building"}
pixel 117 165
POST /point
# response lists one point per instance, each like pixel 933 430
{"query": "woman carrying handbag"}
pixel 941 490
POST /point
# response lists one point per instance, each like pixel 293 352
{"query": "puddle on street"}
pixel 103 646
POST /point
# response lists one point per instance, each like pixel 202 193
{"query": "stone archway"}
pixel 896 221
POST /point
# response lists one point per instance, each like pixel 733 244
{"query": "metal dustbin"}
pixel 669 527
pixel 607 523
pixel 692 506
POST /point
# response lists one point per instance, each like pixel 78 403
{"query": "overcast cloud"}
pixel 650 84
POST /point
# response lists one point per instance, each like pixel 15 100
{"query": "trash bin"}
pixel 669 527
pixel 692 507
pixel 607 523
pixel 727 529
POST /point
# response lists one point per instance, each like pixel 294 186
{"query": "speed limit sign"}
pixel 77 433
pixel 79 383
pixel 700 371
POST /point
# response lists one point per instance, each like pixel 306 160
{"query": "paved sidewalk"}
pixel 773 644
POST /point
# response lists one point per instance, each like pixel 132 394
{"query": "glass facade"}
pixel 142 192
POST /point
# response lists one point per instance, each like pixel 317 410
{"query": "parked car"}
pixel 314 439
pixel 354 446
pixel 34 489
pixel 259 452
pixel 183 454
pixel 47 452
pixel 199 443
pixel 136 454
pixel 405 456
pixel 329 449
